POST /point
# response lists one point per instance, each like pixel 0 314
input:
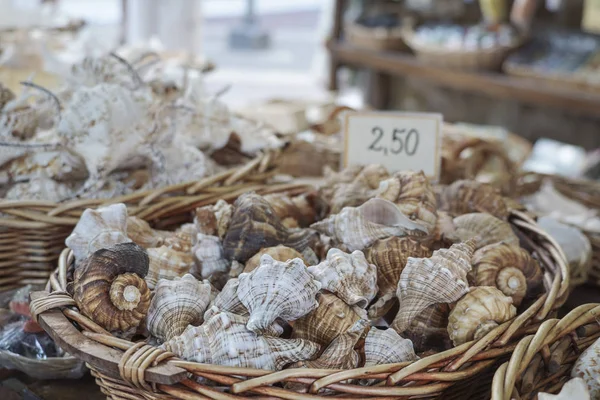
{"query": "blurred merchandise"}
pixel 436 8
pixel 494 11
pixel 553 157
pixel 591 16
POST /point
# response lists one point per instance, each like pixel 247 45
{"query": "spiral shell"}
pixel 359 227
pixel 140 232
pixel 177 304
pixel 429 329
pixel 254 225
pixel 387 347
pixel 390 256
pixel 166 263
pixel 362 188
pixel 477 313
pixel 349 276
pixel 442 278
pixel 587 368
pixel 509 268
pixel 109 287
pixel 279 253
pixel 487 228
pixel 215 219
pixel 277 290
pixel 298 211
pixel 466 196
pixel 210 258
pixel 98 229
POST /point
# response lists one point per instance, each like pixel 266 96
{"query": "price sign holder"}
pixel 397 140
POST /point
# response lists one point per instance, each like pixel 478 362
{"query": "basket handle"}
pixel 103 358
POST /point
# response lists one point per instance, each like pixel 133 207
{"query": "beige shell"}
pixel 575 388
pixel 361 189
pixel 327 321
pixel 587 367
pixel 333 180
pixel 141 233
pixel 109 287
pixel 225 340
pixel 349 276
pixel 443 232
pixel 387 347
pixel 254 226
pixel 209 253
pixel 279 253
pixel 277 290
pixel 429 329
pixel 359 227
pixel 166 263
pixel 413 194
pixel 442 278
pixel 298 211
pixel 487 228
pixel 477 313
pixel 390 256
pixel 186 236
pixel 98 229
pixel 214 219
pixel 466 196
pixel 177 304
pixel 573 242
pixel 507 267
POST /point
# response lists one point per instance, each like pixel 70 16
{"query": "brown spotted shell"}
pixel 279 253
pixel 487 228
pixel 298 211
pixel 507 267
pixel 109 287
pixel 142 233
pixel 361 189
pixel 429 329
pixel 167 263
pixel 214 219
pixel 466 196
pixel 254 226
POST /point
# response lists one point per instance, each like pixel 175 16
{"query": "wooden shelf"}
pixel 492 84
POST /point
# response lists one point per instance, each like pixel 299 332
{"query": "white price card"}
pixel 397 140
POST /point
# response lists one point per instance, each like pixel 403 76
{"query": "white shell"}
pixel 387 347
pixel 97 229
pixel 40 188
pixel 573 242
pixel 587 367
pixel 349 276
pixel 277 290
pixel 209 253
pixel 575 389
pixel 167 263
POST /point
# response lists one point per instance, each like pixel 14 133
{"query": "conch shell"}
pixel 98 229
pixel 509 268
pixel 359 227
pixel 387 347
pixel 361 189
pixel 140 232
pixel 177 304
pixel 209 254
pixel 466 196
pixel 349 276
pixel 166 263
pixel 279 253
pixel 576 388
pixel 477 313
pixel 390 256
pixel 298 211
pixel 225 340
pixel 227 301
pixel 413 194
pixel 429 329
pixel 109 287
pixel 254 225
pixel 486 227
pixel 587 368
pixel 277 290
pixel 214 220
pixel 442 278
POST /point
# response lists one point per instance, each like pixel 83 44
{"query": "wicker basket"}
pixel 542 361
pixel 32 233
pixel 376 38
pixel 126 370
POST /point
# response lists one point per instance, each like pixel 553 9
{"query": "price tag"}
pixel 397 140
pixel 591 16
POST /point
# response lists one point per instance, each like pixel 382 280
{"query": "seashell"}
pixel 177 304
pixel 349 276
pixel 442 278
pixel 477 313
pixel 361 189
pixel 277 290
pixel 413 194
pixel 215 219
pixel 279 253
pixel 359 227
pixel 429 329
pixel 486 227
pixel 254 226
pixel 166 263
pixel 390 256
pixel 227 301
pixel 331 317
pixel 298 211
pixel 141 233
pixel 387 347
pixel 225 340
pixel 333 180
pixel 587 368
pixel 59 166
pixel 466 196
pixel 185 237
pixel 508 268
pixel 209 254
pixel 109 287
pixel 575 388
pixel 98 229
pixel 6 95
pixel 236 269
pixel 40 188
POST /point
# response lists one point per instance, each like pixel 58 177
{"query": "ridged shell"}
pixel 215 219
pixel 277 290
pixel 442 278
pixel 466 196
pixel 298 211
pixel 486 227
pixel 362 188
pixel 429 329
pixel 109 287
pixel 359 227
pixel 507 267
pixel 177 304
pixel 413 194
pixel 209 254
pixel 477 313
pixel 333 180
pixel 279 253
pixel 227 301
pixel 225 340
pixel 572 241
pixel 327 321
pixel 349 276
pixel 140 232
pixel 576 388
pixel 387 347
pixel 166 263
pixel 390 256
pixel 587 367
pixel 254 226
pixel 98 229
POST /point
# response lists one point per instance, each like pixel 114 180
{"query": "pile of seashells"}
pixel 372 268
pixel 117 126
